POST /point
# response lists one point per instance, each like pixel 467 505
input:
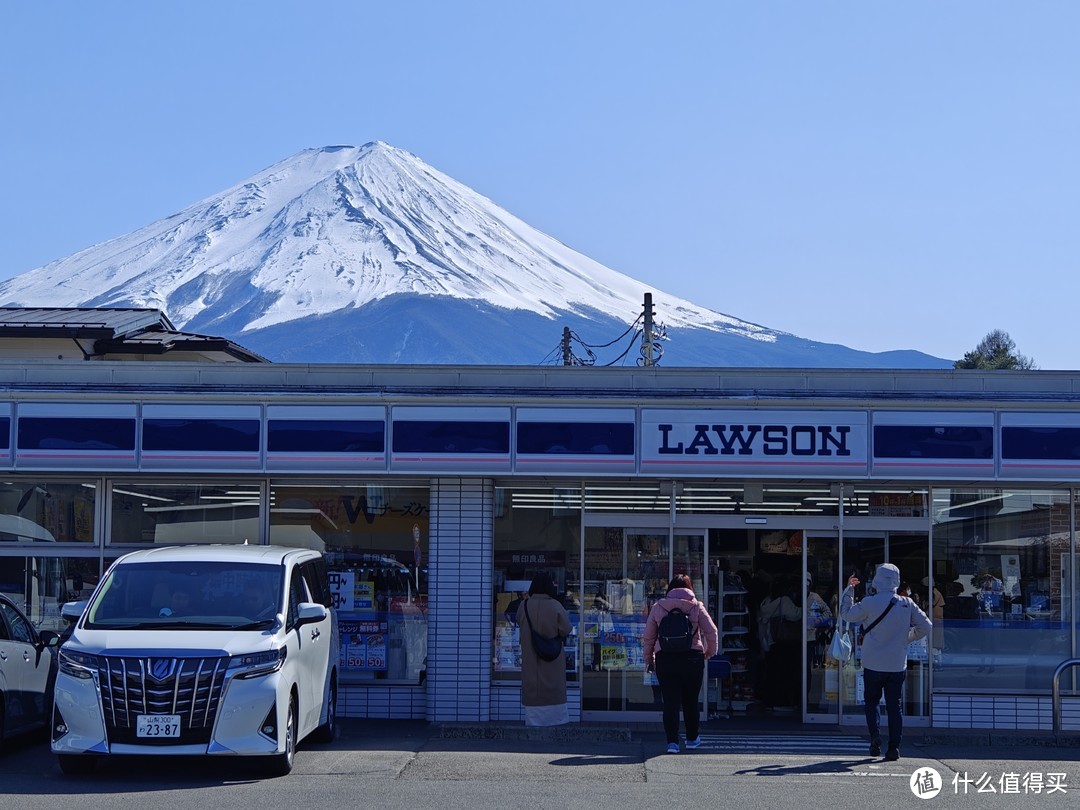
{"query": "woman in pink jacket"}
pixel 679 662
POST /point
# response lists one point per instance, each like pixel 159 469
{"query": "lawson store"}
pixel 437 492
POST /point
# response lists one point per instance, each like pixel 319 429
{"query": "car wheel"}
pixel 2 704
pixel 282 764
pixel 76 764
pixel 325 732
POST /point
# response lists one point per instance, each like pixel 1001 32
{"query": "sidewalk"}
pixel 653 733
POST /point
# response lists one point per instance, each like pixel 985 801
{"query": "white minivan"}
pixel 223 650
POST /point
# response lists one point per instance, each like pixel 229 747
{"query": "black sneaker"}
pixel 892 755
pixel 875 748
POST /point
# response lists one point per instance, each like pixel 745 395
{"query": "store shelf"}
pixel 737 689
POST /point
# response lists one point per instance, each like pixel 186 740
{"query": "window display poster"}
pixel 621 647
pixel 508 647
pixel 349 594
pixel 363 644
pixel 597 622
pixel 1010 573
pixel 341 589
pixel 364 596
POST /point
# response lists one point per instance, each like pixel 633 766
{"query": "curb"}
pixel 999 740
pixel 564 733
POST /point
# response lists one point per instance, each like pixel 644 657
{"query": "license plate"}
pixel 157 725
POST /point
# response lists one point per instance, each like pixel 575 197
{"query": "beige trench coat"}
pixel 543 683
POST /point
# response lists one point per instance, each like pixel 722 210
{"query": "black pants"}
pixel 892 684
pixel 680 676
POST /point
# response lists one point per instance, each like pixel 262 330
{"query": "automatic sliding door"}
pixel 626 571
pixel 861 555
pixel 826 680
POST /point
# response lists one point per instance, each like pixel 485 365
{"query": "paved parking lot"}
pixel 412 765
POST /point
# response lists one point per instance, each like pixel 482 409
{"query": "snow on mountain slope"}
pixel 338 228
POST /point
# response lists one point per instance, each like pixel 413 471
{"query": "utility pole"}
pixel 567 355
pixel 647 346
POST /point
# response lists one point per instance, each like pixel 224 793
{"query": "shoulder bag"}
pixel 546 649
pixel 874 623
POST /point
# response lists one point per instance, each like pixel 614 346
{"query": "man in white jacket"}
pixel 884 648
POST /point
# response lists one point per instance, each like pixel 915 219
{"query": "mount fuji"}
pixel 368 255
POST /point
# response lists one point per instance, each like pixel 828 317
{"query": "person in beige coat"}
pixel 543 683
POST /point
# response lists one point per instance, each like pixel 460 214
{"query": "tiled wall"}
pixel 506 703
pixel 1004 712
pixel 459 596
pixel 383 702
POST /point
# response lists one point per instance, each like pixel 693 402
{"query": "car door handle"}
pixel 3 656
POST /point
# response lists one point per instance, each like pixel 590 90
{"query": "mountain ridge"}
pixel 334 231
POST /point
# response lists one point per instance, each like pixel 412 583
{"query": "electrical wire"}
pixel 556 351
pixel 616 340
pixel 626 351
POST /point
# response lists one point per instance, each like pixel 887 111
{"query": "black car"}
pixel 27 672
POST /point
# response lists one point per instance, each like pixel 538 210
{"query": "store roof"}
pixel 114 333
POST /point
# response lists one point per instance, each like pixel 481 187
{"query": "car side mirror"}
pixel 49 638
pixel 310 613
pixel 71 611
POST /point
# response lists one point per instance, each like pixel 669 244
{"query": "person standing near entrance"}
pixel 888 623
pixel 679 637
pixel 543 683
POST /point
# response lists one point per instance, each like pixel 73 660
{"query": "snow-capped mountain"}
pixel 367 254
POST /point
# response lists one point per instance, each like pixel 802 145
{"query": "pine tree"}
pixel 995 351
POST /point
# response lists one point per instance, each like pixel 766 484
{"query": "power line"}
pixel 649 335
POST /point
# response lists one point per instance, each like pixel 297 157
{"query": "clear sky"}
pixel 881 175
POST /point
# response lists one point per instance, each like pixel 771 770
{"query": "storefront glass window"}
pixel 1002 592
pixel 375 539
pixel 184 512
pixel 885 501
pixel 536 529
pixel 41 584
pixel 628 496
pixel 42 511
pixel 735 498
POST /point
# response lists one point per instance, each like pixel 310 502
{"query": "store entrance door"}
pixel 779 669
pixel 834 691
pixel 626 569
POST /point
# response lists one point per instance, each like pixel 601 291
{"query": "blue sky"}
pixel 881 175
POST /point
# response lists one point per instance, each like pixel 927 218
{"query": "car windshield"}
pixel 187 595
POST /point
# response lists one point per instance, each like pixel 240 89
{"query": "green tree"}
pixel 995 351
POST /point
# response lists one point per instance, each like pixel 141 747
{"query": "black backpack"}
pixel 676 632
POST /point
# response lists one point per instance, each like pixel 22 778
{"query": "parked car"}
pixel 27 672
pixel 221 650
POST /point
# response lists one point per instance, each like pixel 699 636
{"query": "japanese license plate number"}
pixel 157 725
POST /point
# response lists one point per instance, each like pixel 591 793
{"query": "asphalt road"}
pixel 376 764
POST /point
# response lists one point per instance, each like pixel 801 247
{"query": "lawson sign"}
pixel 753 442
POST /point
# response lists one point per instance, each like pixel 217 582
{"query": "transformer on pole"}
pixel 651 350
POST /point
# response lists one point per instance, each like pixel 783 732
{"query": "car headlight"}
pixel 77 664
pixel 254 665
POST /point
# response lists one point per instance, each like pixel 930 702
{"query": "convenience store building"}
pixel 437 492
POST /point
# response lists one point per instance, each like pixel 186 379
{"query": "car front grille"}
pixel 188 687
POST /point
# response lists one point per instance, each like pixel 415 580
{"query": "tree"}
pixel 995 351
